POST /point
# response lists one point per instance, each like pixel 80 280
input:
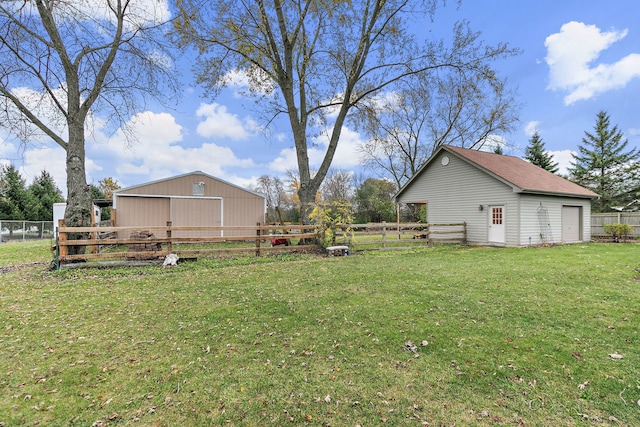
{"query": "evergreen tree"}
pixel 537 155
pixel 604 164
pixel 46 192
pixel 16 203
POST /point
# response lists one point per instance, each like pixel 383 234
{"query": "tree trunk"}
pixel 307 196
pixel 79 203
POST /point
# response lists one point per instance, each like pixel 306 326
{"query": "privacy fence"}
pixel 599 220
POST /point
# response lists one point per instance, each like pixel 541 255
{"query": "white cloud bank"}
pixel 531 127
pixel 564 159
pixel 219 123
pixel 570 57
pixel 346 156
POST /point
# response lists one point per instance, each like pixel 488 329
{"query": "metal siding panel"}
pixel 142 211
pixel 241 207
pixel 196 213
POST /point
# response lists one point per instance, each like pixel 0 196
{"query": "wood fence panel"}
pixel 599 220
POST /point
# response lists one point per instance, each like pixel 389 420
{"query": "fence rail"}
pixel 387 235
pixel 11 230
pixel 156 242
pixel 599 220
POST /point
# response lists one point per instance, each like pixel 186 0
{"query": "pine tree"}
pixel 16 203
pixel 45 191
pixel 537 155
pixel 604 164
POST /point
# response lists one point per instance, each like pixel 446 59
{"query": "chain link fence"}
pixel 11 231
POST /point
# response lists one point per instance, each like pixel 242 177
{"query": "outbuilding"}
pixel 194 199
pixel 504 200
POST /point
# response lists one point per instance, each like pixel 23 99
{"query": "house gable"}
pixel 520 175
pixel 463 185
pixel 183 185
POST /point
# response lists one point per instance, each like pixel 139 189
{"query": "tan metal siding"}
pixel 241 207
pixel 148 211
pixel 183 186
pixel 196 213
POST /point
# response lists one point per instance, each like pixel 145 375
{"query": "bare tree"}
pixel 61 61
pixel 338 187
pixel 315 60
pixel 275 193
pixel 466 108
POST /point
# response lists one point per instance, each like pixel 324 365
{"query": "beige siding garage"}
pixel 195 200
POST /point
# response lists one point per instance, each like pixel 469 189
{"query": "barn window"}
pixel 198 188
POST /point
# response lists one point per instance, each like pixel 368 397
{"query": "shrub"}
pixel 617 231
pixel 327 217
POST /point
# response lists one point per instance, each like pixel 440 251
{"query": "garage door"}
pixel 571 224
pixel 196 213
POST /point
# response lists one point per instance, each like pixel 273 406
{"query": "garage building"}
pixel 194 199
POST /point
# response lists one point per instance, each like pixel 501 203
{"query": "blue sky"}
pixel 578 58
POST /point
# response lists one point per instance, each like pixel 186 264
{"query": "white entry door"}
pixel 496 224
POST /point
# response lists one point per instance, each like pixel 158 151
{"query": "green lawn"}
pixel 515 337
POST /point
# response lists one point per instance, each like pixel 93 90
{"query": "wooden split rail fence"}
pixel 392 235
pixel 139 243
pixel 155 242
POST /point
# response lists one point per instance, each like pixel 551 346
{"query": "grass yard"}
pixel 515 337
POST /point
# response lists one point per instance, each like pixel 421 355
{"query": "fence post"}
pixel 169 246
pixel 24 230
pixel 258 238
pixel 384 234
pixel 464 232
pixel 427 238
pixel 62 237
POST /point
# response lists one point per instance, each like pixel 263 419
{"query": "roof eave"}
pixel 557 193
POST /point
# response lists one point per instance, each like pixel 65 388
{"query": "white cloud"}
pixel 570 54
pixel 219 123
pixel 157 153
pixel 564 159
pixel 493 142
pixel 531 127
pixel 245 82
pixel 139 13
pixel 346 155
